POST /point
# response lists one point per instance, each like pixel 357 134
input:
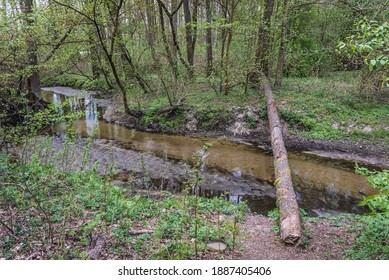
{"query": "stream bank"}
pixel 238 166
pixel 239 124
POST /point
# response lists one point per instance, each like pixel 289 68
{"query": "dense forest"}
pixel 143 48
pixel 192 67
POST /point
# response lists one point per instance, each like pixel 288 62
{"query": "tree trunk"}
pixel 290 227
pixel 33 78
pixel 263 50
pixel 229 39
pixel 176 46
pixel 170 57
pixel 151 23
pixel 209 37
pixel 190 30
pixel 174 23
pixel 133 70
pixel 109 51
pixel 223 35
pixel 282 50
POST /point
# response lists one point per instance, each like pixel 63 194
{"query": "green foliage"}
pixel 167 121
pixel 48 203
pixel 372 240
pixel 310 50
pixel 69 80
pixel 275 216
pixel 379 181
pixel 210 119
pixel 329 107
pixel 252 121
pixel 370 42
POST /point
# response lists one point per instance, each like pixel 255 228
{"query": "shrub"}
pixel 372 240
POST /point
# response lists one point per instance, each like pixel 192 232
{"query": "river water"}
pixel 319 183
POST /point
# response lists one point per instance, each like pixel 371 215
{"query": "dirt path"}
pixel 324 239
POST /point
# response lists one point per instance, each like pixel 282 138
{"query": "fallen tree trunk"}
pixel 290 227
pixel 172 108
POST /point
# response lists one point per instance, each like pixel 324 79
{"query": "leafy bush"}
pixel 379 181
pixel 372 240
pixel 370 45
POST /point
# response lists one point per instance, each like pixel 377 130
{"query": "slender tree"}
pixel 263 50
pixel 32 72
pixel 282 48
pixel 209 37
pixel 190 29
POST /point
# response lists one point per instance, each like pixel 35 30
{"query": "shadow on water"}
pixel 318 183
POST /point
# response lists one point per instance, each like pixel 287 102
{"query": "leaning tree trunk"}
pixel 290 227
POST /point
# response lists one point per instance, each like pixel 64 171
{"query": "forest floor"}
pixel 324 239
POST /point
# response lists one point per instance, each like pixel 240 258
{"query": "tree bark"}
pixel 263 50
pixel 170 57
pixel 33 78
pixel 229 39
pixel 209 37
pixel 174 5
pixel 174 36
pixel 282 50
pixel 223 35
pixel 151 23
pixel 191 30
pixel 290 226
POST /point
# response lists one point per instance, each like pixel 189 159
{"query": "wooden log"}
pixel 172 108
pixel 290 227
pixel 141 231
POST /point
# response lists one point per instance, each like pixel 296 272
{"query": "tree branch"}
pixel 74 9
pixel 59 43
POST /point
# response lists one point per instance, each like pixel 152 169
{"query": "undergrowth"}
pixel 50 211
pixel 372 231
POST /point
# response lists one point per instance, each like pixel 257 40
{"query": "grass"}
pixel 329 107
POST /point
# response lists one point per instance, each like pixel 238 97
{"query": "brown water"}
pixel 319 183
